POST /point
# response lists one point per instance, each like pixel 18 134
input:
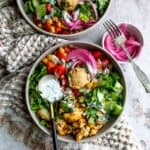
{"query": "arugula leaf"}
pixel 40 11
pixel 57 12
pixel 102 5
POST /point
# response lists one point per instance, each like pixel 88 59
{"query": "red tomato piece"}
pixel 48 7
pixel 75 92
pixel 61 55
pixel 60 70
pixel 48 25
pixel 58 29
pixel 50 66
pixel 97 54
pixel 67 50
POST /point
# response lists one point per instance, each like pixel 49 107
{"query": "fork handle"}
pixel 139 72
pixel 142 77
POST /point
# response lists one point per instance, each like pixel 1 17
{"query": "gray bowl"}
pixel 20 4
pixel 90 46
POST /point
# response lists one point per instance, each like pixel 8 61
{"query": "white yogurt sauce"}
pixel 50 88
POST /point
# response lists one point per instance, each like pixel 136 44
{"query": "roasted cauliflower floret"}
pixel 95 129
pixel 44 114
pixel 83 132
pixel 74 116
pixel 63 128
pixel 78 78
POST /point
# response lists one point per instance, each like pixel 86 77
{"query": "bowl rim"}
pixel 140 34
pixel 73 35
pixel 38 60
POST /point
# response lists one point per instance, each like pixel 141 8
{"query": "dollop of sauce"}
pixel 50 88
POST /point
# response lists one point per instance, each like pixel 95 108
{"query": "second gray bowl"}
pixel 73 36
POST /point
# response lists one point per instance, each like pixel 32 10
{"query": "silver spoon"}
pixel 50 90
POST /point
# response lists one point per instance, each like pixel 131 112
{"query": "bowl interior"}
pixel 20 4
pixel 89 46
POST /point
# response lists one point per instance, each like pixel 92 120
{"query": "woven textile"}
pixel 20 45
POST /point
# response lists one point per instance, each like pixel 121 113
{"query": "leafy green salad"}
pixel 65 16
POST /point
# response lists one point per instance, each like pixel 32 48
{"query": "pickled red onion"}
pixel 131 44
pixel 78 55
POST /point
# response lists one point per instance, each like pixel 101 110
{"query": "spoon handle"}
pixel 54 134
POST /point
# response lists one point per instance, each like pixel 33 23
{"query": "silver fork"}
pixel 120 39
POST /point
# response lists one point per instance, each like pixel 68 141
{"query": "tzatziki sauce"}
pixel 50 88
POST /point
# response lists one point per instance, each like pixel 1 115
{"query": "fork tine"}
pixel 115 27
pixel 109 30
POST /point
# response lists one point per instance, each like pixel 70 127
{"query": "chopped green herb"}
pixel 42 122
pixel 102 5
pixel 85 13
pixel 36 101
pixel 57 12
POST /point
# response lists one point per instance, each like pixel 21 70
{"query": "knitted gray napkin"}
pixel 20 45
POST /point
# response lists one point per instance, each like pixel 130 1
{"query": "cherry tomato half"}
pixel 61 55
pixel 60 70
pixel 48 24
pixel 50 66
pixel 97 54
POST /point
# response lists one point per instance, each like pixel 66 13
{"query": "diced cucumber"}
pixel 110 106
pixel 100 95
pixel 41 11
pixel 113 108
pixel 91 120
pixel 118 87
pixel 32 9
pixel 115 96
pixel 117 109
pixel 35 3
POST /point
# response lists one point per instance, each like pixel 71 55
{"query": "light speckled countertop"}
pixel 138 102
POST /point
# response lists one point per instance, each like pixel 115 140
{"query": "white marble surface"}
pixel 136 12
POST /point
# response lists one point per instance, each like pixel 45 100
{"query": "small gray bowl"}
pixel 90 46
pixel 20 4
pixel 134 31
